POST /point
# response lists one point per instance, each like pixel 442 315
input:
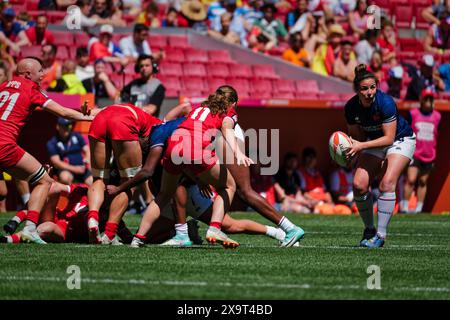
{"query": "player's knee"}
pixel 360 186
pixel 65 177
pixel 388 184
pixel 423 182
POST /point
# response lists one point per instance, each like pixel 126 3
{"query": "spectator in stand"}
pixel 444 73
pixel 346 63
pixel 267 30
pixel 376 66
pixel 55 4
pixel 263 184
pixel 287 187
pixel 235 24
pixel 107 10
pixel 387 42
pixel 300 20
pixel 341 187
pixel 25 20
pixel 437 40
pixel 358 19
pixel 12 34
pixel 149 17
pixel 39 34
pixel 104 48
pixel 69 82
pixel 172 19
pixel 84 69
pixel 425 123
pixel 66 150
pixel 365 48
pixel 427 76
pixel 327 53
pixel 250 13
pixel 225 33
pixel 136 44
pixel 297 54
pixel 146 92
pixel 394 82
pixel 312 182
pixel 438 10
pixel 52 66
pixel 132 7
pixel 193 15
pixel 85 11
pixel 100 84
pixel 7 61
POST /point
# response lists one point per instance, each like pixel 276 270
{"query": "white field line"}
pixel 219 284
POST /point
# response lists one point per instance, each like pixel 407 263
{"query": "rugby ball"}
pixel 338 143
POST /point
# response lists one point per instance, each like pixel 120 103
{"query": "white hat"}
pixel 428 60
pixel 396 72
pixel 106 28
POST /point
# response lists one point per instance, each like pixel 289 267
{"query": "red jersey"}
pixel 77 202
pixel 48 37
pixel 18 98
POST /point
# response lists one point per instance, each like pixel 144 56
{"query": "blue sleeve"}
pixel 17 28
pixel 444 70
pixel 388 109
pixel 290 19
pixel 51 148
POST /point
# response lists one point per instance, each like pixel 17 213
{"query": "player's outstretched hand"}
pixel 244 160
pixel 205 190
pixel 355 147
pixel 112 190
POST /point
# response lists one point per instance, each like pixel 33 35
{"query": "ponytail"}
pixel 219 101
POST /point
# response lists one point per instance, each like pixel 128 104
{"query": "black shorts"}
pixel 423 166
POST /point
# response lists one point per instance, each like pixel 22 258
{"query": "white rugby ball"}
pixel 338 143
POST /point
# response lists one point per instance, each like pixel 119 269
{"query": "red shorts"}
pixel 115 124
pixel 197 167
pixel 10 155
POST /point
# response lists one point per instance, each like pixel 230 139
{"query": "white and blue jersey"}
pixel 161 132
pixel 383 110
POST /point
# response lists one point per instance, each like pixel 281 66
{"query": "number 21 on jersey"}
pixel 4 98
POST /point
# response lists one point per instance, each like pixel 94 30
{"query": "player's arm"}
pixel 228 133
pixel 143 175
pixel 389 130
pixel 180 110
pixel 57 109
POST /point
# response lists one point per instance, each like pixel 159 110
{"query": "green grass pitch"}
pixel 414 265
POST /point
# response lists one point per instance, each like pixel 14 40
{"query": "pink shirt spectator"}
pixel 426 129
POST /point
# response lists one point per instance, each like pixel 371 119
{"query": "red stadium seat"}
pixel 218 70
pixel 264 71
pixel 171 69
pixel 195 55
pixel 194 84
pixel 403 15
pixel 35 51
pixel 241 71
pixel 284 95
pixel 81 39
pixel 175 55
pixel 193 93
pixel 410 44
pixel 63 38
pixel 239 84
pixel 19 7
pixel 16 1
pixel 171 83
pixel 215 82
pixel 329 96
pixel 118 80
pixel 218 56
pixel 421 23
pixel 32 5
pixel 262 85
pixel 282 85
pixel 157 41
pixel 306 95
pixel 307 86
pixel 194 70
pixel 62 53
pixel 55 17
pixel 262 95
pixel 178 42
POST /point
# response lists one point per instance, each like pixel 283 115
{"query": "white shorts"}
pixel 405 146
pixel 196 205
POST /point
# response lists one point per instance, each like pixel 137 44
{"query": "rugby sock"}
pixel 15 238
pixel 20 216
pixel 286 225
pixel 216 224
pixel 275 233
pixel 32 218
pixel 404 205
pixel 386 204
pixel 25 197
pixel 419 206
pixel 111 229
pixel 181 228
pixel 140 237
pixel 365 208
pixel 92 219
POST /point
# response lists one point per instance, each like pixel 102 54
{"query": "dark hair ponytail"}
pixel 361 73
